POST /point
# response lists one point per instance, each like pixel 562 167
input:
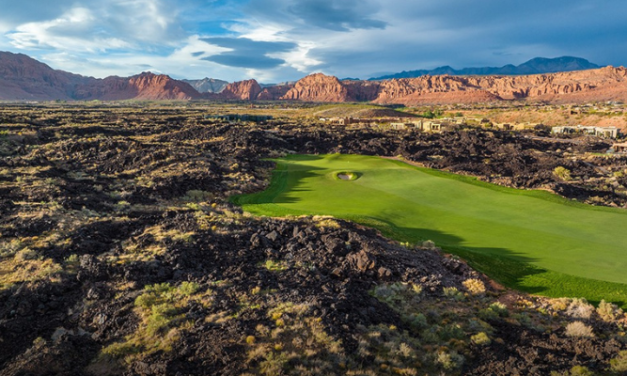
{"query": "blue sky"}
pixel 279 40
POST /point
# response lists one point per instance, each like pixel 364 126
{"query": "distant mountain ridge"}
pixel 25 79
pixel 538 65
pixel 208 85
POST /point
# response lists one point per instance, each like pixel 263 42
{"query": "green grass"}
pixel 533 241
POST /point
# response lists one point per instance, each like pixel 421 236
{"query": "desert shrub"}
pixel 275 266
pixel 499 308
pixel 575 371
pixel 488 314
pixel 188 288
pixel 579 329
pixel 452 331
pixel 619 364
pixel 429 244
pixel 608 312
pixel 481 339
pixel 417 320
pixel 403 298
pixel 450 360
pixel 560 304
pixel 580 308
pixel 26 254
pixel 562 173
pixel 494 311
pixel 474 286
pixel 477 326
pixel 296 337
pixel 273 364
pixel 580 371
pixel 120 349
pixel 453 293
pixel 161 308
pixel 382 291
pixel 10 248
pixel 524 319
pixel 72 260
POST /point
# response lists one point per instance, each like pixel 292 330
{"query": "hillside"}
pixel 23 78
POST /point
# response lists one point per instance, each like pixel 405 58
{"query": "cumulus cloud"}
pixel 336 15
pixel 90 26
pixel 247 53
pixel 61 33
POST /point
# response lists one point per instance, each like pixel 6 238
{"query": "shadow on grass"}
pixel 504 265
pixel 511 269
pixel 277 192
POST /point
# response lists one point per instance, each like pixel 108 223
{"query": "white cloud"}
pixel 341 37
pixel 180 63
pixel 299 58
pixel 111 25
pixel 64 33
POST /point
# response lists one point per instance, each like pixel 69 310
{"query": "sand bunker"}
pixel 347 175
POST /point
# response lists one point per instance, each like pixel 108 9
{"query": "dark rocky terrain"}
pixel 121 254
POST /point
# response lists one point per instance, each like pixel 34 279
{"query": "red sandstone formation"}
pixel 23 78
pixel 243 90
pixel 274 92
pixel 145 86
pixel 582 86
pixel 318 88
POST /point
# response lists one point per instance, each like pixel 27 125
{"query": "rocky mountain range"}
pixel 207 85
pixel 607 83
pixel 23 78
pixel 537 65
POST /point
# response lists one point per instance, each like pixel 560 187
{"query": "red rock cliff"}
pixel 318 88
pixel 146 86
pixel 243 90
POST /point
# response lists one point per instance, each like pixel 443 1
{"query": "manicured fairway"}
pixel 530 240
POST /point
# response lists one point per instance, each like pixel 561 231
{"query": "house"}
pixel 232 118
pixel 399 126
pixel 605 132
pixel 620 148
pixel 428 125
pixel 515 126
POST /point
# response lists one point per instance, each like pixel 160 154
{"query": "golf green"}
pixel 530 240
